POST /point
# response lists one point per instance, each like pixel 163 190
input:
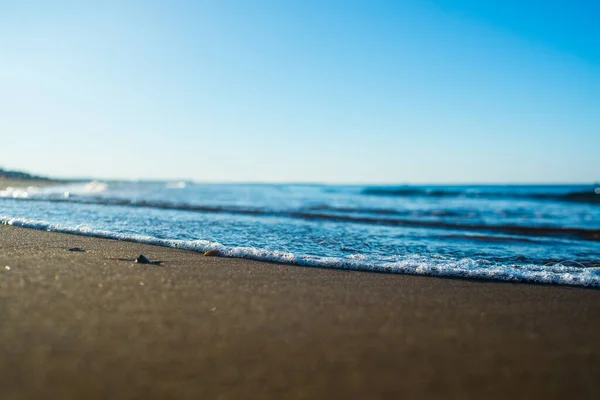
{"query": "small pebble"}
pixel 212 253
pixel 7 268
pixel 142 259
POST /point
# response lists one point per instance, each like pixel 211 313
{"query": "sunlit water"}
pixel 546 234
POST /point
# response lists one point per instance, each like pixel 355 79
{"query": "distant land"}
pixel 19 175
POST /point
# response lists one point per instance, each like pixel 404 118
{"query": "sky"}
pixel 413 91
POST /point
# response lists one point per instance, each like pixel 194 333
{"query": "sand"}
pixel 23 183
pixel 87 325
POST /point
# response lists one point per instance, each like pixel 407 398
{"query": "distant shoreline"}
pixel 23 183
pixel 19 176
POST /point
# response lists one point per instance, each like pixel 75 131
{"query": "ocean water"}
pixel 541 234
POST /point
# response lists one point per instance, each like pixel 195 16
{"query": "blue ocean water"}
pixel 543 234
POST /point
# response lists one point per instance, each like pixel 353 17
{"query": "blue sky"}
pixel 448 91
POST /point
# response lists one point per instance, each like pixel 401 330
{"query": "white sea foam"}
pixel 51 191
pixel 95 187
pixel 19 193
pixel 562 274
pixel 176 185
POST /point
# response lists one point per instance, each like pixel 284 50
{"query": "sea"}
pixel 535 233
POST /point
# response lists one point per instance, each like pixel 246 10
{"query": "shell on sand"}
pixel 212 253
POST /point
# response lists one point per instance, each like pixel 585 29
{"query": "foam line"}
pixel 415 265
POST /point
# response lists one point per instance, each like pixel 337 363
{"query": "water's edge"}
pixel 467 268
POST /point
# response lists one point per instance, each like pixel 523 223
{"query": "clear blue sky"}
pixel 322 91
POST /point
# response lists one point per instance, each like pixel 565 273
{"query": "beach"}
pixel 88 324
pixel 24 183
pixel 299 200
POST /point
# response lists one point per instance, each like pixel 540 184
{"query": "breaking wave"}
pixel 591 196
pixel 399 219
pixel 558 273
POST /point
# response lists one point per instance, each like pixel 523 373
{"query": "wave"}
pixel 379 211
pixel 566 233
pixel 388 211
pixel 536 231
pixel 558 273
pixel 588 196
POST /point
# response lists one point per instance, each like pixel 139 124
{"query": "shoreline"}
pixel 553 279
pixel 81 324
pixel 23 183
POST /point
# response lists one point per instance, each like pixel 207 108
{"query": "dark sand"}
pixel 23 183
pixel 86 325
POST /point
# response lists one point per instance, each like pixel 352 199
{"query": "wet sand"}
pixel 88 325
pixel 23 183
